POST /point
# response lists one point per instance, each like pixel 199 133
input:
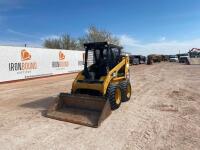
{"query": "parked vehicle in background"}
pixel 133 60
pixel 173 58
pixel 183 58
pixel 153 58
pixel 165 57
pixel 142 59
pixel 190 58
pixel 194 56
pixel 194 53
pixel 137 59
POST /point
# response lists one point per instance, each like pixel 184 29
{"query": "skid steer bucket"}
pixel 80 109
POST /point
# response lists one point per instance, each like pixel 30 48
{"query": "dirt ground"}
pixel 163 113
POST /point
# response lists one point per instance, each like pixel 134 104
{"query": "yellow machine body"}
pixel 106 80
pixel 86 109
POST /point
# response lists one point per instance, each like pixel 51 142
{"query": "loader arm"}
pixel 110 78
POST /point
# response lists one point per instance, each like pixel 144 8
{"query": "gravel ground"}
pixel 163 113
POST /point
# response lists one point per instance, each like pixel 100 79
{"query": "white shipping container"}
pixel 18 63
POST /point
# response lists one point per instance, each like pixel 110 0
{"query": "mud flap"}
pixel 80 109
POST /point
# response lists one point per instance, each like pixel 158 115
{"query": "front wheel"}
pixel 126 90
pixel 114 95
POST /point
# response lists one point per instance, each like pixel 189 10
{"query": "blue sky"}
pixel 143 26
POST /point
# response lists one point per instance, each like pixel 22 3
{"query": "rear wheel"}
pixel 114 96
pixel 126 90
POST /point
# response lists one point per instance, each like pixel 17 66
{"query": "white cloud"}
pixel 127 40
pixel 20 39
pixel 86 31
pixel 20 43
pixel 21 34
pixel 49 37
pixel 33 40
pixel 157 47
pixel 162 38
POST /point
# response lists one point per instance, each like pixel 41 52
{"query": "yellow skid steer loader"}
pixel 98 89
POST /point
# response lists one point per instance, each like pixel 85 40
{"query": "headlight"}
pixel 127 65
pixel 128 75
pixel 114 74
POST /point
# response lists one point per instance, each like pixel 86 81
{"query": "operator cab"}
pixel 100 58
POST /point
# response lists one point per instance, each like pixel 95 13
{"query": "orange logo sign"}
pixel 25 55
pixel 61 56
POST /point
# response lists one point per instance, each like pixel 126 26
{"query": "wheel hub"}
pixel 118 96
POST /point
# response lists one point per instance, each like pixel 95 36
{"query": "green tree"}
pixel 64 42
pixel 97 35
pixel 52 43
pixel 68 42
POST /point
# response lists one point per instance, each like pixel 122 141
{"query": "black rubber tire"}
pixel 111 96
pixel 124 86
